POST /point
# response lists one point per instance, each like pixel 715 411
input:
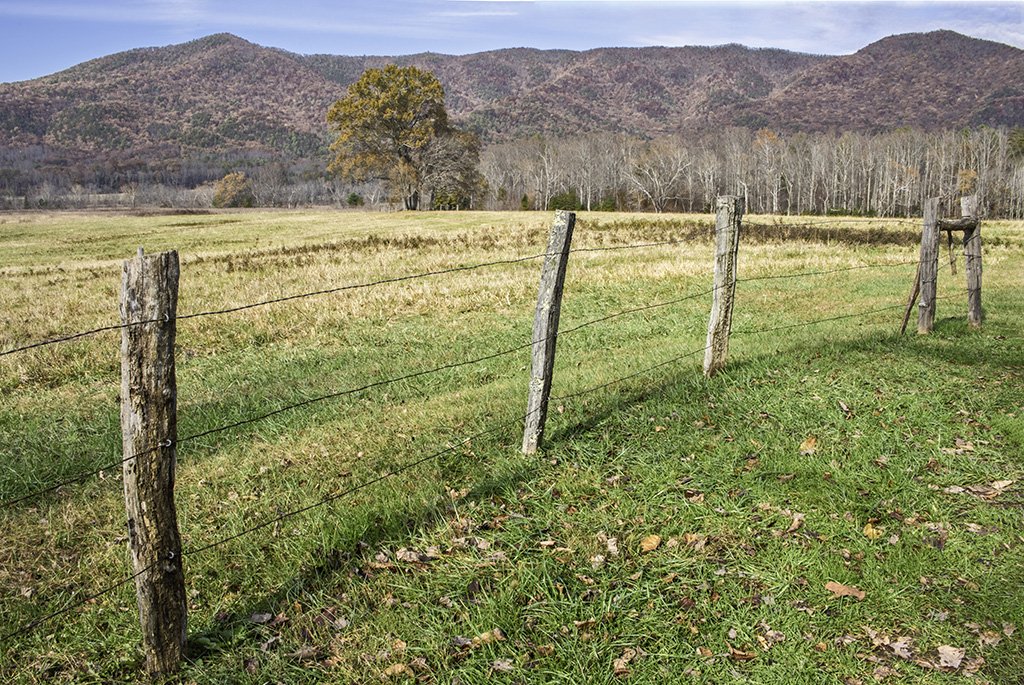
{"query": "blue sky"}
pixel 39 37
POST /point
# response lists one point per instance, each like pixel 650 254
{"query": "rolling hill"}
pixel 222 96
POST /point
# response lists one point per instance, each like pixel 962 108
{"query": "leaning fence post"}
pixel 545 328
pixel 972 257
pixel 727 244
pixel 149 300
pixel 929 264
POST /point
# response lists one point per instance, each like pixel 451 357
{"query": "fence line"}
pixel 93 472
pixel 341 393
pixel 317 293
pixel 350 391
pixel 406 467
pixel 394 472
pixel 338 495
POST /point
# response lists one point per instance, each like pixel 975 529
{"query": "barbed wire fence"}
pixel 163 445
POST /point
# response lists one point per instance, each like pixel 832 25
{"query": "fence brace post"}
pixel 972 258
pixel 545 328
pixel 149 293
pixel 727 244
pixel 929 264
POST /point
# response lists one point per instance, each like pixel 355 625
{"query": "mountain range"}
pixel 223 95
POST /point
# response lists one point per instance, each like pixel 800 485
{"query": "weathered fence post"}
pixel 545 328
pixel 972 257
pixel 149 300
pixel 727 243
pixel 929 265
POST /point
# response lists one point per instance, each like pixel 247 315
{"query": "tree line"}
pixel 395 146
pixel 885 174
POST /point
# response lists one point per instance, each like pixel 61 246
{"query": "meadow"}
pixel 841 505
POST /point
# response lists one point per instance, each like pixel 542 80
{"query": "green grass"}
pixel 399 575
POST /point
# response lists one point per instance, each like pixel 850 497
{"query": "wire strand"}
pixel 410 465
pixel 87 474
pixel 348 391
pixel 326 291
pixel 33 624
pixel 406 467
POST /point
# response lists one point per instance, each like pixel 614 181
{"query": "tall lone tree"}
pixel 390 127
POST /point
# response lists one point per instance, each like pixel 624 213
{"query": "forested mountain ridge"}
pixel 219 100
pixel 219 91
pixel 512 93
pixel 930 81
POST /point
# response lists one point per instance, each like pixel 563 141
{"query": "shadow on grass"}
pixel 952 345
pixel 347 555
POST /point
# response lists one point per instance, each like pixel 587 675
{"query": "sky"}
pixel 39 37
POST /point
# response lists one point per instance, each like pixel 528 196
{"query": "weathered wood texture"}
pixel 972 257
pixel 729 214
pixel 929 265
pixel 915 290
pixel 149 292
pixel 545 328
pixel 962 224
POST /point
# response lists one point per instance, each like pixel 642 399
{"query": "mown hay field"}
pixel 673 529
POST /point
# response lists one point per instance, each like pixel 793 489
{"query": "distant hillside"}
pixel 643 91
pixel 924 80
pixel 222 96
pixel 219 92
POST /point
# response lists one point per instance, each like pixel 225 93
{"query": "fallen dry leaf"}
pixel 990 638
pixel 502 665
pixel 621 665
pixel 705 652
pixel 872 533
pixel 809 446
pixel 972 666
pixel 396 670
pixel 650 543
pixel 490 636
pixel 883 672
pixel 951 657
pixel 901 648
pixel 695 540
pixel 740 655
pixel 840 590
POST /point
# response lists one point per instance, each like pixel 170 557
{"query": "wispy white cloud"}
pixel 1011 34
pixel 479 13
pixel 199 12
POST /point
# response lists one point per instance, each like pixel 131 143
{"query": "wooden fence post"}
pixel 929 265
pixel 545 328
pixel 972 257
pixel 149 293
pixel 727 243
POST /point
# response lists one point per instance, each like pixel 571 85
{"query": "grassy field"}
pixel 674 529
